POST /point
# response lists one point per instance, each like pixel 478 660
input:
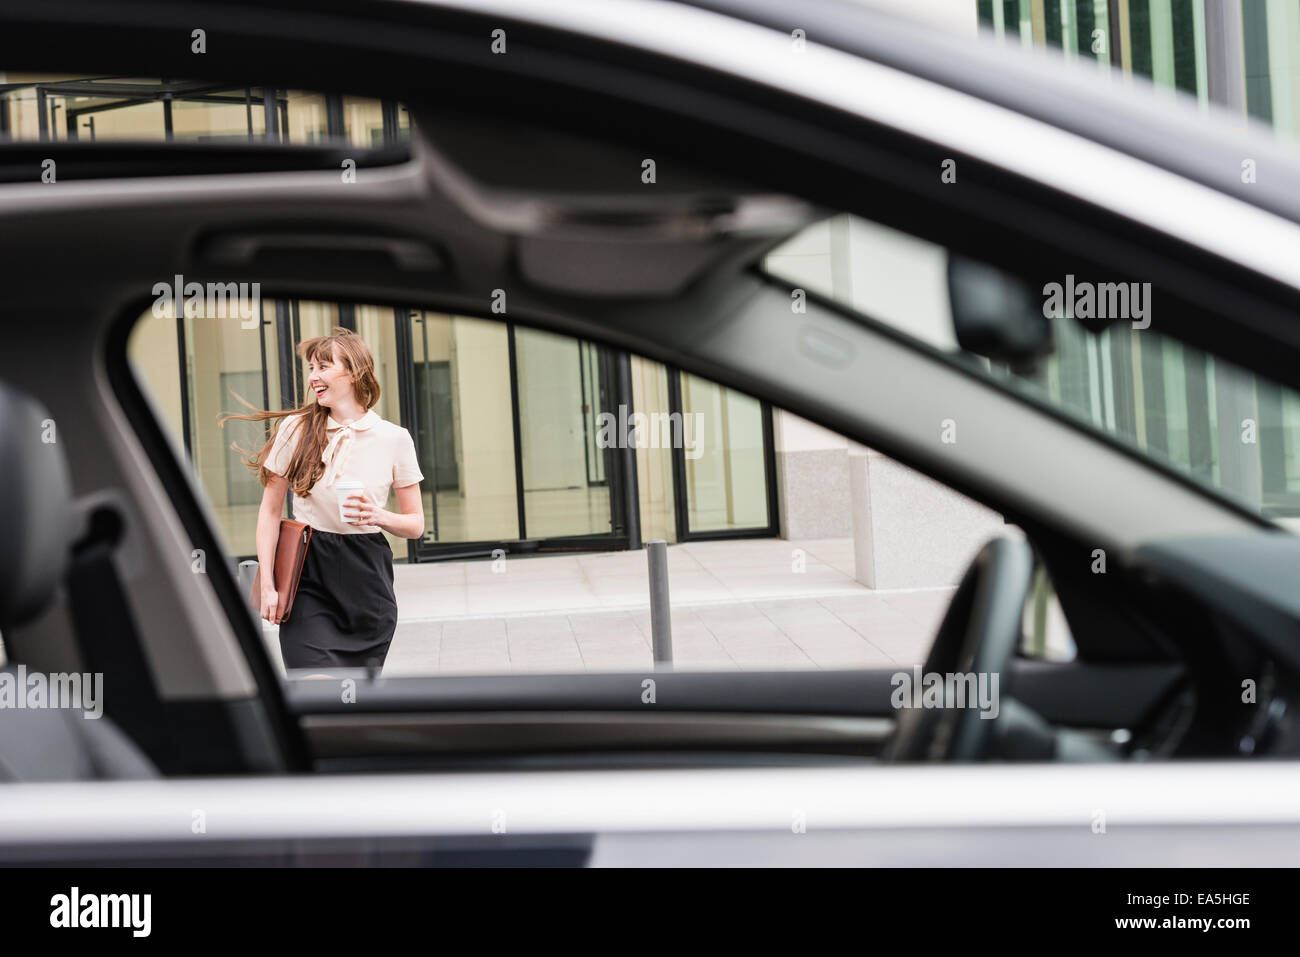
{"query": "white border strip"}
pixel 1209 794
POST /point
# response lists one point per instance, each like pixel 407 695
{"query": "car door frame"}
pixel 988 178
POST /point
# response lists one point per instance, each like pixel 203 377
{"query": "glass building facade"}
pixel 1244 54
pixel 1224 426
pixel 507 423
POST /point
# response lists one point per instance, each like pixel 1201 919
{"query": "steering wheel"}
pixel 978 637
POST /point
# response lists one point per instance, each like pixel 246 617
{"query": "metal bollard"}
pixel 661 623
pixel 247 570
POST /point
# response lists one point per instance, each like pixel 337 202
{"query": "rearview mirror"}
pixel 997 315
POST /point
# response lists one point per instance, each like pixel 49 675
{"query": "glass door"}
pixel 559 388
pixel 505 422
pixel 462 423
pixel 722 460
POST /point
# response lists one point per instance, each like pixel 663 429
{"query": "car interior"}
pixel 508 186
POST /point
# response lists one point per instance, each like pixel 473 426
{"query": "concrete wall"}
pixel 812 479
pixel 909 530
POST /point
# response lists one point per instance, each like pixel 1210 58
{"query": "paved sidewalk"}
pixel 757 604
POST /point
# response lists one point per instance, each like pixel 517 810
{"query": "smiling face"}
pixel 331 382
pixel 340 372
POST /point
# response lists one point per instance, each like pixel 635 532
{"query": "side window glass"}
pixel 549 463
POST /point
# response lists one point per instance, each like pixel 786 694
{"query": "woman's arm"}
pixel 268 535
pixel 408 523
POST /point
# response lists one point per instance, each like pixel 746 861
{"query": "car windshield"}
pixel 1227 428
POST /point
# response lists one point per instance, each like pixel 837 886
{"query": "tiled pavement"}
pixel 749 605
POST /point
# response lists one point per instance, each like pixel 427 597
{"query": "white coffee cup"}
pixel 344 488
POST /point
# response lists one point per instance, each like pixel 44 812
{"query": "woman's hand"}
pixel 268 534
pixel 270 604
pixel 409 524
pixel 361 511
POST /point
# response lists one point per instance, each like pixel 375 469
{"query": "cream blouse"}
pixel 373 451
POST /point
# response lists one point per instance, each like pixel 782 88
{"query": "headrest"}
pixel 37 518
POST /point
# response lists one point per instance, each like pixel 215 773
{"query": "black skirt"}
pixel 345 611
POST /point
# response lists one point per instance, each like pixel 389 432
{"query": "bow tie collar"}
pixel 338 448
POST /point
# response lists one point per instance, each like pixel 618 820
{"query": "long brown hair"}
pixel 305 467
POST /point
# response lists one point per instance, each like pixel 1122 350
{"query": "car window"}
pixel 1231 430
pixel 544 473
pixel 37 107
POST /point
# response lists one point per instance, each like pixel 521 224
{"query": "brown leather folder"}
pixel 290 554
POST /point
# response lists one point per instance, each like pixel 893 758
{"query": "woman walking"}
pixel 339 458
